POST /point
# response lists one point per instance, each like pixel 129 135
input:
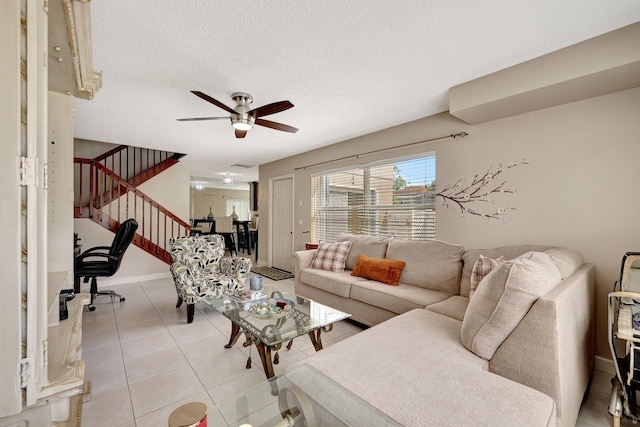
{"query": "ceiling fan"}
pixel 242 117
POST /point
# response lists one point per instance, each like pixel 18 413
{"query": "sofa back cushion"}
pixel 430 264
pixel 470 257
pixel 566 260
pixel 371 246
pixel 503 298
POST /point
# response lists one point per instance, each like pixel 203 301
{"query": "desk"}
pixel 237 222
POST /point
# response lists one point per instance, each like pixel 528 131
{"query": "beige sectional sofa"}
pixel 423 363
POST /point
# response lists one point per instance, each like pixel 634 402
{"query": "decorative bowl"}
pixel 269 308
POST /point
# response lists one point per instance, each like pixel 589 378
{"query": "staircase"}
pixel 106 192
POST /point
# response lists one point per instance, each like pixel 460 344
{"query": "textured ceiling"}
pixel 350 67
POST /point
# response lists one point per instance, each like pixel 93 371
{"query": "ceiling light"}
pixel 242 123
pixel 198 187
pixel 227 179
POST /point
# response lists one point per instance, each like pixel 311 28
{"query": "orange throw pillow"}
pixel 381 269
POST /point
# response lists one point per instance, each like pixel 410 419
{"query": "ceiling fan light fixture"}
pixel 243 117
pixel 242 123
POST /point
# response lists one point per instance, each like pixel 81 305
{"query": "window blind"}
pixel 395 198
pixel 241 207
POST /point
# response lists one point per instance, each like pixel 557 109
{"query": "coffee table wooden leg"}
pixel 235 333
pixel 265 356
pixel 315 339
pixel 315 336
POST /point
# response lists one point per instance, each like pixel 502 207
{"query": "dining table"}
pixel 244 223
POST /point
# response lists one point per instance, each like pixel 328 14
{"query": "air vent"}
pixel 242 165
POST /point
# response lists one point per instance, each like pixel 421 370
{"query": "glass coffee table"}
pixel 269 332
pixel 307 397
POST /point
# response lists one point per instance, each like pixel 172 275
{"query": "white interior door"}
pixel 282 223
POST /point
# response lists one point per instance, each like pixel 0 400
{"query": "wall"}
pixel 170 189
pixel 88 149
pixel 579 191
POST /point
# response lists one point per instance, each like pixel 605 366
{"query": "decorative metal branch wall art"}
pixel 481 189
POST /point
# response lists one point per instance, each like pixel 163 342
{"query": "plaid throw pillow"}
pixel 331 256
pixel 481 268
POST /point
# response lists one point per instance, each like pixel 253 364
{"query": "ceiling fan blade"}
pixel 195 119
pixel 265 110
pixel 213 101
pixel 241 133
pixel 276 126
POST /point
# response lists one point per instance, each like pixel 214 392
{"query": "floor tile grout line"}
pixel 180 347
pixel 135 417
pixel 133 412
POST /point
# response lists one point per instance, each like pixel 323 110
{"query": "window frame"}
pixel 421 225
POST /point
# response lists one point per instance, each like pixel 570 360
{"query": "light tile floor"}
pixel 144 360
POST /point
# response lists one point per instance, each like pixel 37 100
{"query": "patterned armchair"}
pixel 199 270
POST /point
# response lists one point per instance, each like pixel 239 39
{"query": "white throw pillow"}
pixel 503 298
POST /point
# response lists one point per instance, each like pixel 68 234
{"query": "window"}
pixel 241 207
pixel 391 199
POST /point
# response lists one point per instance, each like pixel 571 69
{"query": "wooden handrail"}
pixel 111 152
pixel 105 205
pixel 136 164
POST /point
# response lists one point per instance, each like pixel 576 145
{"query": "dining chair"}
pixel 253 231
pixel 225 228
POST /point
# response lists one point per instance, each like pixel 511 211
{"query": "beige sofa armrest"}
pixel 552 348
pixel 302 259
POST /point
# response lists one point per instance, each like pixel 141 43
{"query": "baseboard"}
pixel 114 281
pixel 604 364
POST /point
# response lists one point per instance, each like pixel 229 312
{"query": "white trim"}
pixel 112 281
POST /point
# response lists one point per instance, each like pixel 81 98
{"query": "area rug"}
pixel 271 273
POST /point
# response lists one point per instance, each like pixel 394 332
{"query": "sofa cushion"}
pixel 453 307
pixel 482 268
pixel 503 298
pixel 430 264
pixel 383 270
pixel 331 256
pixel 397 299
pixel 338 283
pixel 434 380
pixel 470 257
pixel 566 260
pixel 371 246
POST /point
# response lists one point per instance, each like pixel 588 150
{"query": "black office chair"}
pixel 87 266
